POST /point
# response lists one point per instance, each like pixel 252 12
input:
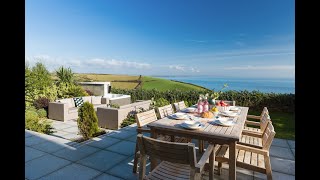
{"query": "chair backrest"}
pixel 231 103
pixel 165 111
pixel 183 153
pixel 264 121
pixel 268 136
pixel 179 105
pixel 264 111
pixel 146 117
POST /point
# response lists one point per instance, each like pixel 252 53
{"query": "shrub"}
pixel 65 75
pixel 42 113
pixel 131 117
pixel 66 90
pixel 87 121
pixel 115 106
pixel 161 102
pixel 41 103
pixel 37 80
pixel 89 92
pixel 255 100
pixel 34 123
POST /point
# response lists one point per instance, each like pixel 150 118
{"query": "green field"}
pixel 148 82
pixel 284 124
pixel 164 84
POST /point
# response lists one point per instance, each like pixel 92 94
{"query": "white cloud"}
pixel 278 67
pixel 53 63
pixel 194 70
pixel 117 63
pixel 177 67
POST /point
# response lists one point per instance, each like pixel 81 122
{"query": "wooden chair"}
pixel 249 156
pixel 178 106
pixel 165 111
pixel 264 119
pixel 178 160
pixel 142 120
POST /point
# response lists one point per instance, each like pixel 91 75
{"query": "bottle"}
pixel 200 105
pixel 205 105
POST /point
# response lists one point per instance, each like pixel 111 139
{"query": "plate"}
pixel 225 122
pixel 229 113
pixel 189 109
pixel 179 116
pixel 192 125
pixel 234 108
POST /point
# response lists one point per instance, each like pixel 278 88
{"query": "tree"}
pixel 65 75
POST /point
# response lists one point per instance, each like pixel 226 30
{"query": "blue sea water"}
pixel 250 84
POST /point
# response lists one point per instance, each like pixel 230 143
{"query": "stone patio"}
pixel 110 156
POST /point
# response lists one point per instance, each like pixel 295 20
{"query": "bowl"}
pixel 223 108
pixel 192 123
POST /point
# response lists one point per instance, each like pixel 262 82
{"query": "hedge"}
pixel 255 100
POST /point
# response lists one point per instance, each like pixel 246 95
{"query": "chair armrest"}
pixel 252 149
pixel 204 158
pixel 252 123
pixel 143 129
pixel 250 133
pixel 253 116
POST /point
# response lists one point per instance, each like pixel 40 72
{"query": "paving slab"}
pixel 130 128
pixel 72 136
pixel 102 142
pixel 283 165
pixel 72 172
pixel 60 126
pixel 292 144
pixel 105 176
pixel 122 134
pixel 225 175
pixel 281 152
pixel 76 153
pixel 27 134
pixel 102 160
pixel 125 166
pixel 280 142
pixel 275 176
pixel 123 147
pixel 294 152
pixel 50 147
pixel 34 140
pixel 59 134
pixel 43 165
pixel 31 153
pixel 74 130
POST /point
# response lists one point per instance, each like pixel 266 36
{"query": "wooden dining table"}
pixel 211 132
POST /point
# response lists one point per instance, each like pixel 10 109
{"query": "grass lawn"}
pixel 148 82
pixel 110 77
pixel 284 124
pixel 164 84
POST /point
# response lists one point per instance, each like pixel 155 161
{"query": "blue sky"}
pixel 229 38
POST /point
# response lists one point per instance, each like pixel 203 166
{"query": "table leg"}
pixel 211 163
pixel 153 161
pixel 232 161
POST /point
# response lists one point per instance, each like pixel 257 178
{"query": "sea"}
pixel 268 85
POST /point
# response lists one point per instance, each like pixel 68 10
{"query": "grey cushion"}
pixel 87 99
pixel 96 100
pixel 68 101
pixel 73 110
